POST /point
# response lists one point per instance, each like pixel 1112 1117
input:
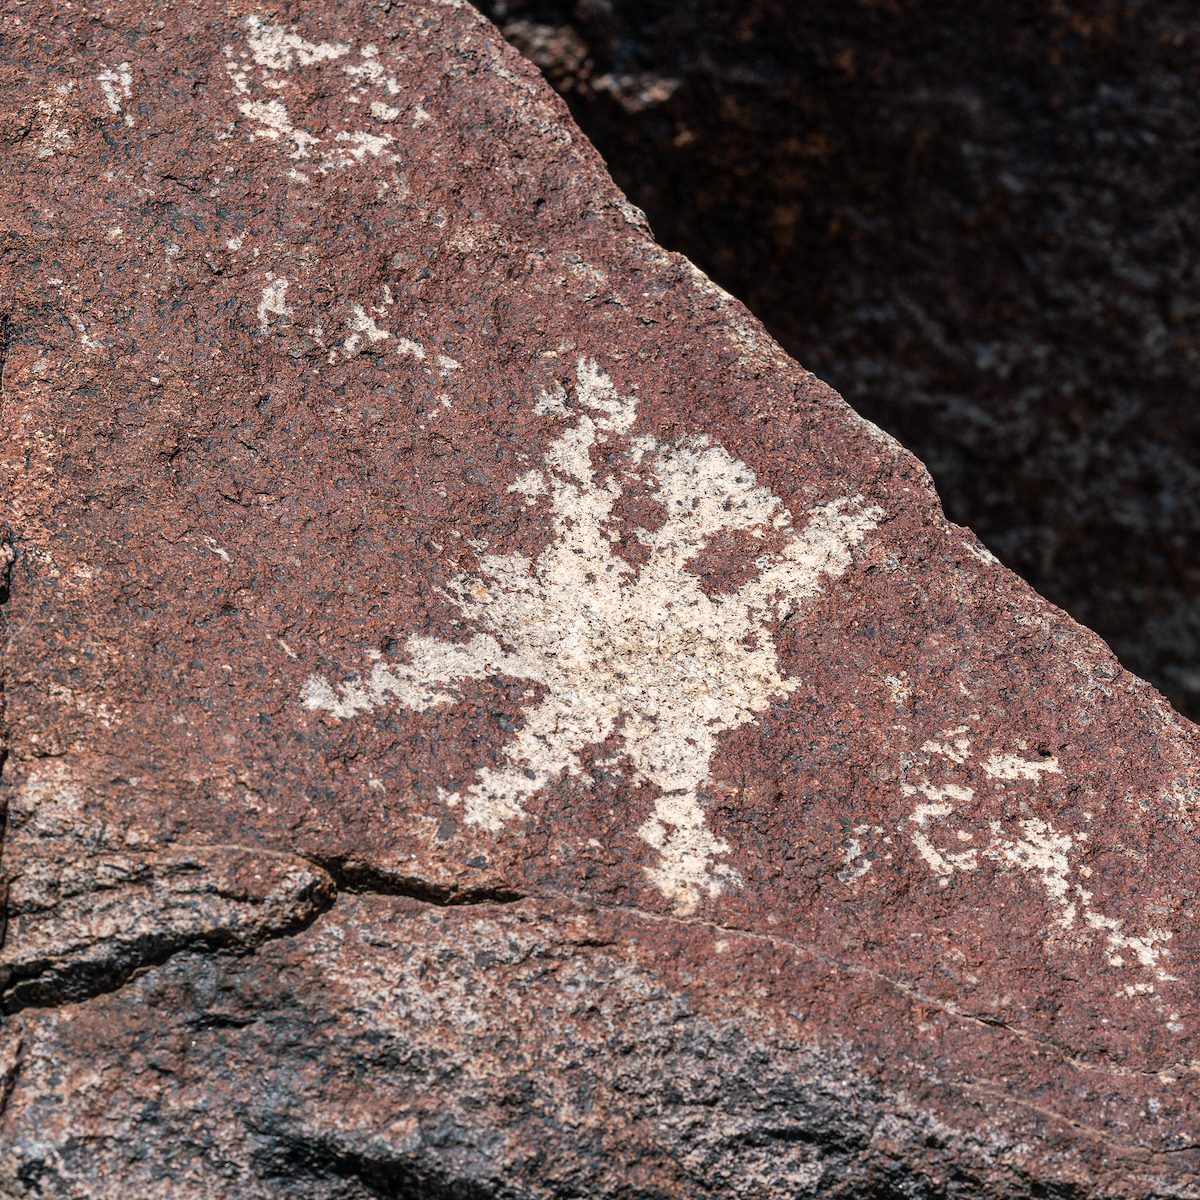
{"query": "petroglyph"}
pixel 641 653
pixel 259 67
pixel 858 862
pixel 1013 766
pixel 1033 846
pixel 280 49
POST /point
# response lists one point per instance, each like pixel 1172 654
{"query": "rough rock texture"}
pixel 483 722
pixel 978 221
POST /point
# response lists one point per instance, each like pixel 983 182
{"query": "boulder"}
pixel 482 721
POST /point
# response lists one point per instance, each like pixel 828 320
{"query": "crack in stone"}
pixel 358 878
pixel 348 877
pixel 355 878
pixel 53 980
pixel 947 1006
pixel 149 952
pixel 83 981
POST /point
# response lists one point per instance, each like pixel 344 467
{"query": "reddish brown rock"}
pixel 481 721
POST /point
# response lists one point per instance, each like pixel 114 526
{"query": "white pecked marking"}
pixel 1029 845
pixel 273 302
pixel 642 653
pixel 116 83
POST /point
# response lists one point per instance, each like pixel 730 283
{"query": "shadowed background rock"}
pixel 978 221
pixel 481 721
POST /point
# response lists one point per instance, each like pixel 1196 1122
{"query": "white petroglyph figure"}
pixel 1032 846
pixel 642 653
pixel 259 65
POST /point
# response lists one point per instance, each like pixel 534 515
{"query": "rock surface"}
pixel 483 722
pixel 977 221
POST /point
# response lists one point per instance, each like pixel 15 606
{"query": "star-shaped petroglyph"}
pixel 640 653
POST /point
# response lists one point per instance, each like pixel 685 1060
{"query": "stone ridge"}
pixel 480 720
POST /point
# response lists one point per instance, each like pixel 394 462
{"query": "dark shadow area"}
pixel 979 221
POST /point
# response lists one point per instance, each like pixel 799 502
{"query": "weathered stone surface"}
pixel 481 721
pixel 977 221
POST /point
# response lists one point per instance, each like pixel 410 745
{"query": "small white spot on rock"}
pixel 273 302
pixel 85 339
pixel 410 349
pixel 116 83
pixel 980 552
pixel 359 145
pixel 858 863
pixel 275 124
pixel 951 744
pixel 942 863
pixel 218 550
pixel 363 325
